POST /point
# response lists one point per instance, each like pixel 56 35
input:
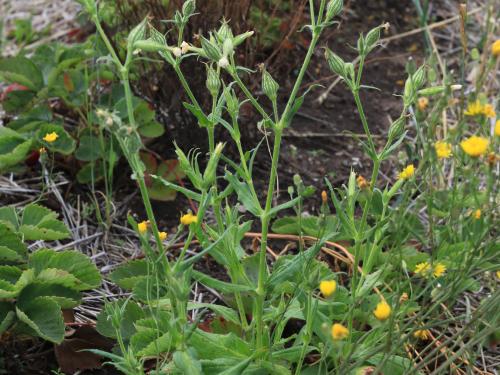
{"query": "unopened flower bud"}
pixel 227 47
pixel 397 128
pixel 337 65
pixel 213 81
pixel 333 8
pixel 269 86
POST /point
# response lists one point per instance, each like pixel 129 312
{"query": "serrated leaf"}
pixel 64 144
pixel 43 315
pixel 40 223
pixel 10 273
pixel 132 312
pixel 13 151
pixel 88 148
pixel 128 274
pixel 73 262
pixel 12 249
pixel 65 297
pixel 22 71
pixel 7 315
pixel 212 346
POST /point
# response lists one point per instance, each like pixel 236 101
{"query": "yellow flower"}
pixel 477 214
pixel 422 103
pixel 407 173
pixel 489 111
pixel 50 137
pixel 439 269
pixel 474 109
pixel 327 287
pixel 497 128
pixel 362 183
pixel 443 150
pixel 142 227
pixel 422 268
pixel 382 311
pixel 425 269
pixel 163 236
pixel 188 219
pixel 495 48
pixel 422 334
pixel 339 332
pixel 475 146
pixel 498 274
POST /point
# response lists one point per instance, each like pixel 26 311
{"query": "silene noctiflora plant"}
pixel 344 327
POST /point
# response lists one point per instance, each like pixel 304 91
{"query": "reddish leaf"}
pixel 68 83
pixel 71 355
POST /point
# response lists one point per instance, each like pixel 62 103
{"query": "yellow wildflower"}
pixel 339 332
pixel 443 150
pixel 474 109
pixel 425 269
pixel 422 268
pixel 362 183
pixel 497 128
pixel 382 311
pixel 475 146
pixel 327 287
pixel 422 103
pixel 489 111
pixel 188 219
pixel 324 197
pixel 422 334
pixel 407 173
pixel 498 274
pixel 142 227
pixel 163 236
pixel 439 269
pixel 50 137
pixel 495 48
pixel 477 214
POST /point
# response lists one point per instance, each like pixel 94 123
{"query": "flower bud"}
pixel 211 169
pixel 396 128
pixel 238 39
pixel 372 38
pixel 333 8
pixel 337 65
pixel 269 86
pixel 232 102
pixel 213 81
pixel 224 32
pixel 419 78
pixel 227 47
pixel 210 49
